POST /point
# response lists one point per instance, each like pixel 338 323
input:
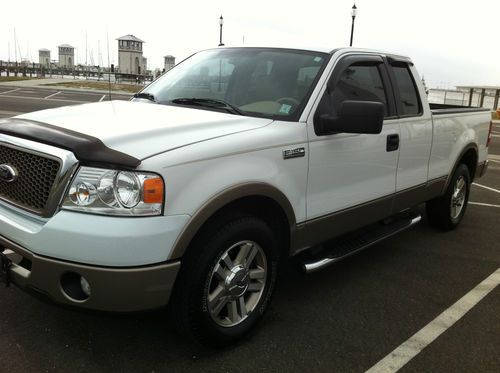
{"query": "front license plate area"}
pixel 5 264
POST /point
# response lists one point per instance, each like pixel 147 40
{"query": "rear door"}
pixel 350 170
pixel 415 131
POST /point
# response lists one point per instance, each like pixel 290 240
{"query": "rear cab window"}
pixel 407 96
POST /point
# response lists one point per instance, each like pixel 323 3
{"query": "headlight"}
pixel 112 192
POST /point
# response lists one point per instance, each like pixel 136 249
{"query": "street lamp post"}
pixel 221 22
pixel 354 12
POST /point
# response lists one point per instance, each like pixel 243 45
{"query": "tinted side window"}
pixel 409 103
pixel 359 83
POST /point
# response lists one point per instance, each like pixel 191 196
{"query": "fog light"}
pixel 75 286
pixel 85 286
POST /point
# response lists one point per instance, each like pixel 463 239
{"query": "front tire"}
pixel 226 280
pixel 446 212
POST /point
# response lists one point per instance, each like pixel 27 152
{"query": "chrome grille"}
pixel 36 177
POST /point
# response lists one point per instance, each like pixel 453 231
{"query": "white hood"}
pixel 143 129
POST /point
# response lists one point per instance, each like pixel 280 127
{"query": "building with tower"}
pixel 66 56
pixel 130 58
pixel 169 62
pixel 44 57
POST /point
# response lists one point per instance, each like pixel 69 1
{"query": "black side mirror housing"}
pixel 363 117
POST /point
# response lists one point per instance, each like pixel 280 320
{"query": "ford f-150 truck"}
pixel 194 191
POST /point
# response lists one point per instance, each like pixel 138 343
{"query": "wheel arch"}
pixel 469 157
pixel 260 199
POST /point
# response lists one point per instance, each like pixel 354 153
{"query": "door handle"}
pixel 392 142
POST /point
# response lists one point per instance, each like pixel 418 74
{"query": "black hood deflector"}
pixel 87 149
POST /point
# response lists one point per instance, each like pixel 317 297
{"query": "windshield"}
pixel 274 83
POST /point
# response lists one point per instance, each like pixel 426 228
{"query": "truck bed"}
pixel 441 109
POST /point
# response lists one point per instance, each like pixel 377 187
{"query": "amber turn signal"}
pixel 153 190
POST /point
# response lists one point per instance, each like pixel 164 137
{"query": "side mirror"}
pixel 354 117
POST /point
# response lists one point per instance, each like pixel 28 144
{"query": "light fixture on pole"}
pixel 354 12
pixel 221 22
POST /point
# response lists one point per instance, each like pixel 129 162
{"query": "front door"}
pixel 353 170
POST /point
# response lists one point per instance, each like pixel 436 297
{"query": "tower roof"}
pixel 131 37
pixel 44 50
pixel 66 46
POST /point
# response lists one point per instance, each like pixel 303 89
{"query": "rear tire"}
pixel 226 281
pixel 446 212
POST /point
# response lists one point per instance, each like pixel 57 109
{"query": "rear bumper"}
pixel 112 289
pixel 481 169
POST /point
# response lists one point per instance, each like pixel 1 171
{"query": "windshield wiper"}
pixel 147 96
pixel 209 102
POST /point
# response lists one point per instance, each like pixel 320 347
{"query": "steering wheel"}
pixel 283 100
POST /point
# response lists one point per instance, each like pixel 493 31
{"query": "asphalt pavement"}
pixel 345 318
pixel 18 100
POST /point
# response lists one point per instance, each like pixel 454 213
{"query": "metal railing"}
pixel 476 97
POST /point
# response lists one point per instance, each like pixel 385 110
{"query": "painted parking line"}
pixel 425 336
pixel 486 187
pixel 12 90
pixel 7 114
pixel 52 95
pixel 483 204
pixel 84 93
pixel 40 98
pixel 102 98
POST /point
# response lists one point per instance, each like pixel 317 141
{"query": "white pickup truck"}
pixel 193 192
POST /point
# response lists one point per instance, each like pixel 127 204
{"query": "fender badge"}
pixel 294 153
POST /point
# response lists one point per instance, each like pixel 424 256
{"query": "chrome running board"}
pixel 345 247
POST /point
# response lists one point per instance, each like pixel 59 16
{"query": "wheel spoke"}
pixel 461 195
pixel 228 262
pixel 232 311
pixel 257 274
pixel 242 307
pixel 217 300
pixel 458 187
pixel 221 274
pixel 255 286
pixel 251 256
pixel 243 253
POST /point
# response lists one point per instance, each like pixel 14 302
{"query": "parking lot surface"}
pixel 18 100
pixel 345 318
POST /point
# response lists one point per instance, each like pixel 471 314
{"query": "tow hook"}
pixel 5 264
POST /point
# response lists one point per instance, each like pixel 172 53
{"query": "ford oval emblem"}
pixel 7 173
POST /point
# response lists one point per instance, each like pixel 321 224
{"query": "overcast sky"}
pixel 451 42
